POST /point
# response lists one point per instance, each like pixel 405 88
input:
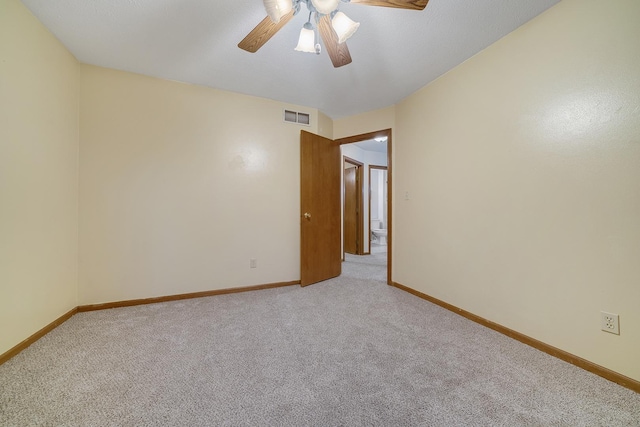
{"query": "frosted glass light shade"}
pixel 306 42
pixel 344 26
pixel 325 7
pixel 277 8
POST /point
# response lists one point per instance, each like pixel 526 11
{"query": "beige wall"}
pixel 325 125
pixel 370 121
pixel 38 176
pixel 523 170
pixel 181 185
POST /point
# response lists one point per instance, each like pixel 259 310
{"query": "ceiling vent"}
pixel 296 117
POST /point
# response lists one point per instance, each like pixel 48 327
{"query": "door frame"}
pixel 359 204
pixel 377 167
pixel 371 135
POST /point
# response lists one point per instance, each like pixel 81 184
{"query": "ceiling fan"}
pixel 334 26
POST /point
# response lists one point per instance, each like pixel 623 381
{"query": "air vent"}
pixel 296 117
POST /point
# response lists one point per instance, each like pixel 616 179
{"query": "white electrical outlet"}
pixel 610 322
pixel 253 263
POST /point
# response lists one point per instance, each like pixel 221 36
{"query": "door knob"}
pixel 307 215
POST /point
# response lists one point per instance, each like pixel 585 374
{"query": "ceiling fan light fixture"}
pixel 306 42
pixel 344 26
pixel 277 8
pixel 330 24
pixel 325 7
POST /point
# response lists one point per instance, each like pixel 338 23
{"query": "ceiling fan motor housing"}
pixel 324 7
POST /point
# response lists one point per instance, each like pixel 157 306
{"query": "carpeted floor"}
pixel 348 351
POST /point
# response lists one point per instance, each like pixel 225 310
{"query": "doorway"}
pixel 378 204
pixel 352 214
pixel 320 205
pixel 365 242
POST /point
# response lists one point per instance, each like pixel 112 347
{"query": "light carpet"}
pixel 348 351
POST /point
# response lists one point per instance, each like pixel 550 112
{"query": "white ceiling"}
pixel 372 145
pixel 395 51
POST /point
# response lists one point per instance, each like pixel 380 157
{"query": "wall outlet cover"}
pixel 610 322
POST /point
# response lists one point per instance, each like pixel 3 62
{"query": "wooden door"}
pixel 320 254
pixel 350 214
